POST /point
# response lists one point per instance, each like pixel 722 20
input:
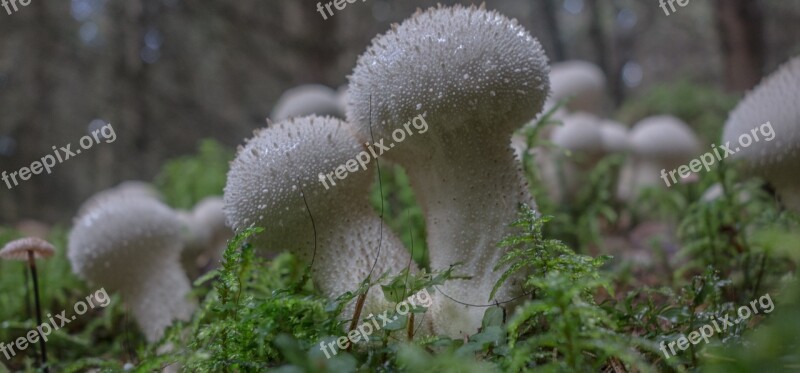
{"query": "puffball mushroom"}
pixel 614 136
pixel 29 249
pixel 584 83
pixel 774 101
pixel 275 183
pixel 132 244
pixel 476 76
pixel 133 188
pixel 205 234
pixel 657 142
pixel 582 137
pixel 309 99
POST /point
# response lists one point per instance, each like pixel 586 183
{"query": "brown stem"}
pixel 410 331
pixel 32 265
pixel 357 314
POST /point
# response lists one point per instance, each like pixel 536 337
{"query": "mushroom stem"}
pixel 469 204
pixel 32 265
pixel 28 311
pixel 154 306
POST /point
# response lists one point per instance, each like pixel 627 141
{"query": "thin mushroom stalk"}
pixel 473 77
pixel 28 249
pixel 32 266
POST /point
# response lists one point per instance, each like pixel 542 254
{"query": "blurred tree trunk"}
pixel 549 10
pixel 740 24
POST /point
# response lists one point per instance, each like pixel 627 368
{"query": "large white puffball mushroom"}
pixel 310 99
pixel 583 83
pixel 275 182
pixel 657 143
pixel 771 113
pixel 205 234
pixel 132 245
pixel 475 76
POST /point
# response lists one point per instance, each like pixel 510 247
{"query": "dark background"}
pixel 167 73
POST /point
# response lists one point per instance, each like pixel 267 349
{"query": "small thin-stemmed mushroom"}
pixel 132 244
pixel 475 76
pixel 582 83
pixel 310 99
pixel 29 249
pixel 770 115
pixel 278 181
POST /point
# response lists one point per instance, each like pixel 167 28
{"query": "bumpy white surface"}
pixel 775 100
pixel 131 188
pixel 583 81
pixel 132 244
pixel 265 188
pixel 310 99
pixel 476 76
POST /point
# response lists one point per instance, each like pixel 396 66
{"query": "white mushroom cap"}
pixel 581 134
pixel 455 66
pixel 131 188
pixel 774 100
pixel 583 82
pixel 656 143
pixel 476 77
pixel 310 99
pixel 665 140
pixel 132 245
pixel 615 137
pixel 276 175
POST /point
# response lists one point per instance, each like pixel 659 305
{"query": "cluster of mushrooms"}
pixel 128 241
pixel 476 77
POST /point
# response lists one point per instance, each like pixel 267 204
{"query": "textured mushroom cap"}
pixel 18 249
pixel 583 82
pixel 131 188
pixel 305 100
pixel 774 100
pixel 120 236
pixel 280 164
pixel 580 133
pixel 464 69
pixel 665 140
pixel 615 137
